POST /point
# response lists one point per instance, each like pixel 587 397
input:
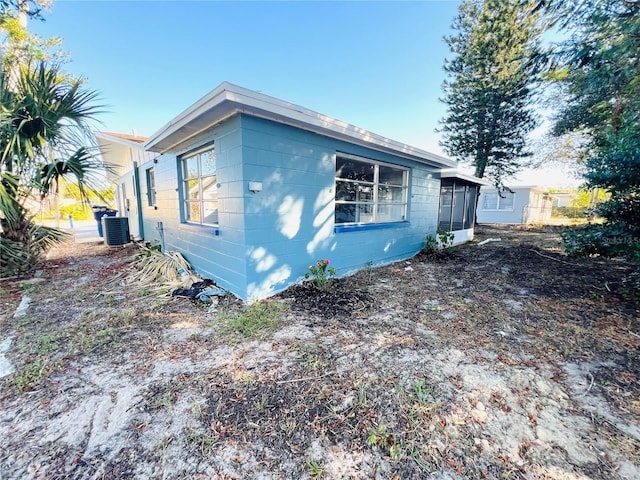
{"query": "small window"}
pixel 369 192
pixel 493 201
pixel 200 187
pixel 151 187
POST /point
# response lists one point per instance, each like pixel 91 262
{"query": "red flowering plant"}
pixel 321 274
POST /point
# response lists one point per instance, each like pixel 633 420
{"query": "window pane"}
pixel 506 203
pixel 210 212
pixel 390 175
pixel 207 163
pixel 354 170
pixel 364 193
pixel 192 189
pixel 345 213
pixel 364 213
pixel 346 190
pixel 191 167
pixel 391 213
pixel 390 194
pixel 469 217
pixel 446 196
pixel 457 216
pixel 193 211
pixel 490 201
pixel 209 188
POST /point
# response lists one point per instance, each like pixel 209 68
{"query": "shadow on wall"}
pixel 303 232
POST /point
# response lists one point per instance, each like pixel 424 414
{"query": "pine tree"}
pixel 488 90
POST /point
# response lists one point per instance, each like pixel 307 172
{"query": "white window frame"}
pixel 151 186
pixel 211 177
pixel 374 202
pixel 499 200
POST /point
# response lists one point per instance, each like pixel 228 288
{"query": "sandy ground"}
pixel 506 360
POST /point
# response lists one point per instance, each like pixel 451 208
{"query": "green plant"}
pixel 424 393
pixel 258 319
pixel 321 274
pixel 445 238
pixel 442 240
pixel 384 441
pixel 315 470
pixel 31 375
pixel 204 443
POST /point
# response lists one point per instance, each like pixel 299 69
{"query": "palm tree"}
pixel 44 129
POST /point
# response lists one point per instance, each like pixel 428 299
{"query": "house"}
pixel 516 205
pixel 252 190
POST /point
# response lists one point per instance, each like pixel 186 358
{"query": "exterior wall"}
pixel 216 253
pixel 529 206
pixel 127 201
pixel 290 223
pixel 267 239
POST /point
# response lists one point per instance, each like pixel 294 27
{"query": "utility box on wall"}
pixel 116 230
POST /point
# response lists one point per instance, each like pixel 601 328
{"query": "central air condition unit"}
pixel 116 230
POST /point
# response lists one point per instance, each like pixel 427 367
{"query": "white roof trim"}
pixel 228 99
pixel 112 138
pixel 453 173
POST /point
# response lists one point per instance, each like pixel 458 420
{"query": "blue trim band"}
pixel 368 226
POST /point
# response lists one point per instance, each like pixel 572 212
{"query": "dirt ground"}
pixel 501 360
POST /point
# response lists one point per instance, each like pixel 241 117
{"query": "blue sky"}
pixel 377 65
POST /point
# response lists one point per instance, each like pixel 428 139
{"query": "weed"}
pixel 200 441
pixel 85 340
pixel 424 393
pixel 31 375
pixel 383 440
pixel 28 288
pixel 257 320
pixel 168 400
pixel 315 470
pixel 45 344
pixel 314 362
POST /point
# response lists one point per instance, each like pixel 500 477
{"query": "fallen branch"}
pixel 295 380
pixel 554 259
pixel 588 388
pixel 489 240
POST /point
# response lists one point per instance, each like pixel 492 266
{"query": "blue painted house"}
pixel 252 190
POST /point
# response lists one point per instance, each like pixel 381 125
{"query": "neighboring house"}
pixel 123 154
pixel 563 199
pixel 252 190
pixel 517 205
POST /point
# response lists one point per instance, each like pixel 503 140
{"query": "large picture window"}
pixel 369 192
pixel 493 201
pixel 200 187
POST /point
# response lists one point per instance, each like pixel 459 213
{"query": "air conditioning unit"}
pixel 116 230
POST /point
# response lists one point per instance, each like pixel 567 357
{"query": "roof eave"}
pixel 227 100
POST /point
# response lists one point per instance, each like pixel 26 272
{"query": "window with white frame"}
pixel 200 187
pixel 369 192
pixel 151 187
pixel 493 201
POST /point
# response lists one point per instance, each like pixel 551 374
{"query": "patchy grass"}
pixel 258 320
pixel 506 360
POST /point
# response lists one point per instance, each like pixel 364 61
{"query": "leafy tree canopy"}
pixel 599 68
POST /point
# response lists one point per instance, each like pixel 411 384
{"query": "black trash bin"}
pixel 100 211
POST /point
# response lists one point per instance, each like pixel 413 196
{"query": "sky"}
pixel 375 64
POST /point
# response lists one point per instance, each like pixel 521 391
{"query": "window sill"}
pixel 369 226
pixel 198 228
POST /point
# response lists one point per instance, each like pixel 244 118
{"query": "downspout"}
pixel 136 182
